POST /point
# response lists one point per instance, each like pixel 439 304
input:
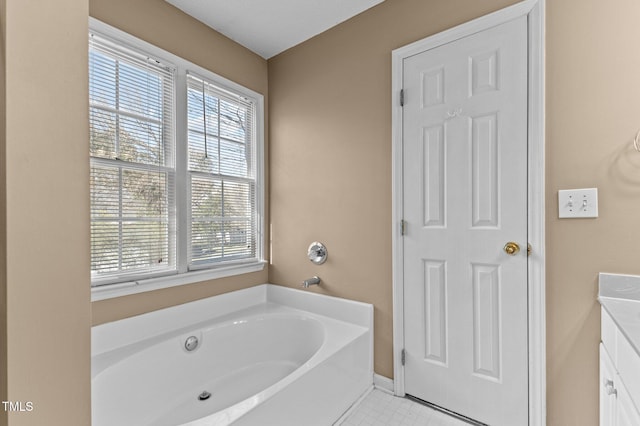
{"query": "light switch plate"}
pixel 578 203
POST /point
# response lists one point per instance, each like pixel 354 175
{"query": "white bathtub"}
pixel 268 355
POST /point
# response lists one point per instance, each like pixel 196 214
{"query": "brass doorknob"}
pixel 511 248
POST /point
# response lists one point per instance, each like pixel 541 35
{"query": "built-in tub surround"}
pixel 264 355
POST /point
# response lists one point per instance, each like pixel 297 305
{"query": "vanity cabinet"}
pixel 608 393
pixel 619 377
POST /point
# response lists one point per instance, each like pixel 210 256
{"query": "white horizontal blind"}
pixel 221 174
pixel 131 99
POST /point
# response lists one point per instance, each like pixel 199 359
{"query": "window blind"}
pixel 132 180
pixel 221 174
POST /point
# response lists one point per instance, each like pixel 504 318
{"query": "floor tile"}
pixel 380 408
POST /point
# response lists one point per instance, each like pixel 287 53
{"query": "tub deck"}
pixel 268 355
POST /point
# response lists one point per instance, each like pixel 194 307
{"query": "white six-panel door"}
pixel 465 196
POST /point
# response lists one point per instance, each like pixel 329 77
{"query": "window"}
pixel 175 155
pixel 221 169
pixel 131 144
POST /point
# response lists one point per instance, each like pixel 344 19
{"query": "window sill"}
pixel 134 287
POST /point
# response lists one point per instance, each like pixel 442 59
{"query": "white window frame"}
pixel 223 269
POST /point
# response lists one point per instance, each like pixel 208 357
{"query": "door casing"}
pixel 534 10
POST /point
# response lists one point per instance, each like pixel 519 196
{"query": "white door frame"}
pixel 534 10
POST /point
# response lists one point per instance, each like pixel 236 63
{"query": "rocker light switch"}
pixel 578 203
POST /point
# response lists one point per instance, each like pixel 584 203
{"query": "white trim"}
pixel 464 30
pixel 536 226
pixel 183 275
pixel 383 383
pixel 138 44
pixel 134 287
pixel 534 10
pixel 397 215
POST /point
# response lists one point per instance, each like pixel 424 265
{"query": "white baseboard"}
pixel 383 383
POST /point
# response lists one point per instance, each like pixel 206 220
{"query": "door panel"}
pixel 465 196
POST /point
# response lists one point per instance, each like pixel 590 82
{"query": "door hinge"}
pixel 403 357
pixel 403 227
pixel 401 97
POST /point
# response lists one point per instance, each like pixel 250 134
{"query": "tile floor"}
pixel 380 408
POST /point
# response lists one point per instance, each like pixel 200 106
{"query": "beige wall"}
pixel 47 210
pixel 45 310
pixel 330 119
pixel 165 26
pixel 3 234
pixel 331 167
pixel 159 23
pixel 593 87
pixel 330 102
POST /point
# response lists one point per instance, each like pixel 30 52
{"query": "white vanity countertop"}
pixel 620 296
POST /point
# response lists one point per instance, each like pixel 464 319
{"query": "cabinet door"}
pixel 608 397
pixel 626 413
